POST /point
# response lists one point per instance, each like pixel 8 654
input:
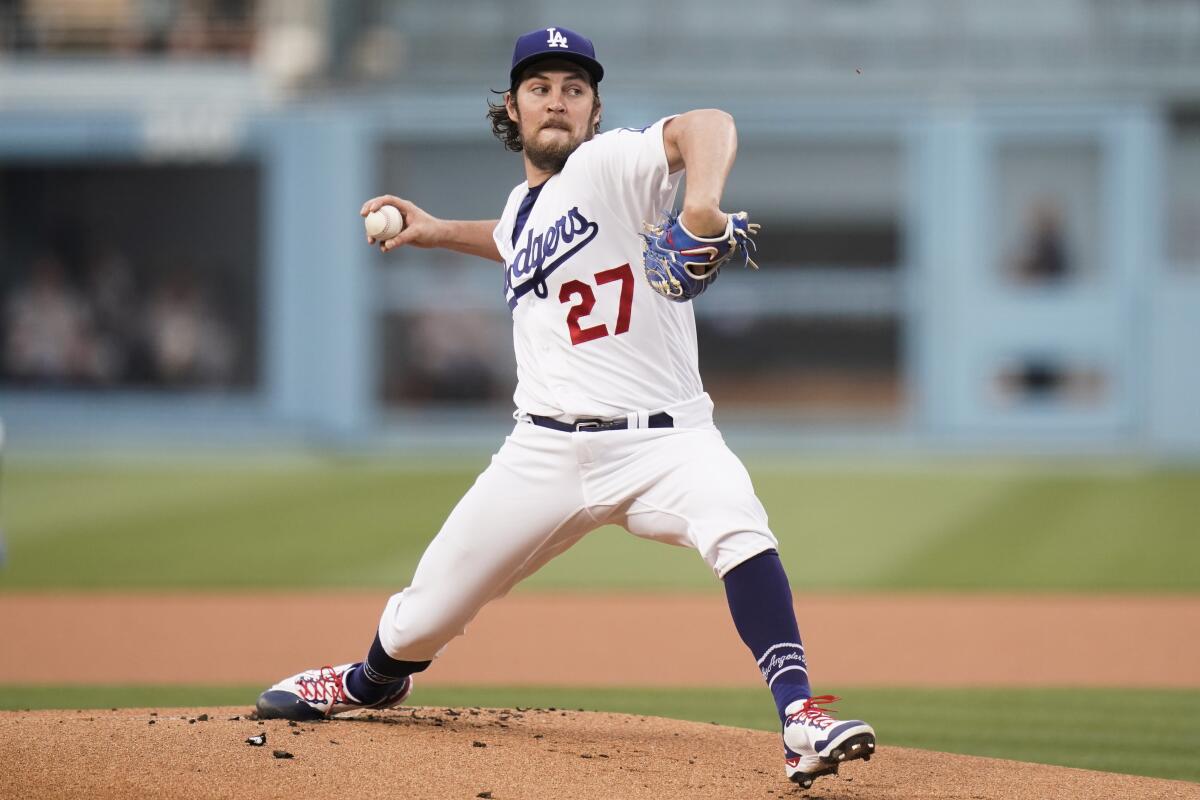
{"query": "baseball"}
pixel 384 223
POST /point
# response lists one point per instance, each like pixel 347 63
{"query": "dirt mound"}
pixel 467 753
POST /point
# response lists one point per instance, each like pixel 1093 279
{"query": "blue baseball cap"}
pixel 555 43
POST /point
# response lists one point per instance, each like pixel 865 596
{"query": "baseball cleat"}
pixel 319 694
pixel 816 744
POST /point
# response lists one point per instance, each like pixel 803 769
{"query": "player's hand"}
pixel 420 228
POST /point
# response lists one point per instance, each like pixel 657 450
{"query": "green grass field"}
pixel 1078 728
pixel 957 525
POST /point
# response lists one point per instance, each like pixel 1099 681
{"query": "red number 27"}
pixel 587 299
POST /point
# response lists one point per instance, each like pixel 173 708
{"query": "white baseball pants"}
pixel 546 489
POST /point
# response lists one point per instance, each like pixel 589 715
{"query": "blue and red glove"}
pixel 680 266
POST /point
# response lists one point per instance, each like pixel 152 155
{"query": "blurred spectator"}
pixel 189 343
pixel 1040 379
pixel 12 25
pixel 1044 257
pixel 47 328
pixel 183 27
pixel 111 292
pixel 152 30
pixel 189 28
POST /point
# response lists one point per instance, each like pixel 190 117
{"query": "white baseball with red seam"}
pixel 384 223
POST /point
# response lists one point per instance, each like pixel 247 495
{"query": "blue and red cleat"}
pixel 319 694
pixel 815 743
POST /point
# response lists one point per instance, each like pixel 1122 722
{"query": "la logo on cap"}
pixel 556 39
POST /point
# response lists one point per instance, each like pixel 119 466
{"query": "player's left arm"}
pixel 704 142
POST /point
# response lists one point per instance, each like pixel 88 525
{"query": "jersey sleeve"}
pixel 502 245
pixel 629 167
pixel 502 233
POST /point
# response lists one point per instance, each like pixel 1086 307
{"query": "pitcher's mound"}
pixel 468 753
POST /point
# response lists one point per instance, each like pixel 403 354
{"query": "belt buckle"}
pixel 588 425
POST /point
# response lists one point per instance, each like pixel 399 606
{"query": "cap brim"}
pixel 590 65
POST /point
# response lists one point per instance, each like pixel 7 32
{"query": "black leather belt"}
pixel 660 420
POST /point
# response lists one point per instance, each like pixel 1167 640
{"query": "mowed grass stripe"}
pixel 1142 732
pixel 213 526
pixel 359 523
pixel 1068 532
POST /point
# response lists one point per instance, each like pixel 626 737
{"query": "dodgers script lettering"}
pixel 572 228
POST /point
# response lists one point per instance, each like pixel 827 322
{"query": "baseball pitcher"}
pixel 612 422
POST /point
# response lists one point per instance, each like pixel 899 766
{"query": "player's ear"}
pixel 510 105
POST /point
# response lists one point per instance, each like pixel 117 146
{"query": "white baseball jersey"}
pixel 592 339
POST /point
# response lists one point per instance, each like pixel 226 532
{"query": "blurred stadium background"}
pixel 981 221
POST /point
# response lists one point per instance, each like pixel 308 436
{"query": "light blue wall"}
pixel 972 318
pixel 319 338
pixel 320 281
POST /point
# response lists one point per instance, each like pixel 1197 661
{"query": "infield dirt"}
pixel 544 753
pixel 484 753
pixel 532 639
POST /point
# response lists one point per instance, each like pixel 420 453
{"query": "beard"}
pixel 552 155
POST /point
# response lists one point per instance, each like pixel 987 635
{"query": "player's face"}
pixel 555 108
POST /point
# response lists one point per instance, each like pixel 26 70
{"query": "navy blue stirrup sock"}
pixel 760 600
pixel 377 676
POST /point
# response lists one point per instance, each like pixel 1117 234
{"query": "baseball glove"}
pixel 680 266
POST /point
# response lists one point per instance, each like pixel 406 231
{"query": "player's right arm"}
pixel 421 229
pixel 704 142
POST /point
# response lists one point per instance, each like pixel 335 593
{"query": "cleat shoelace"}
pixel 325 687
pixel 811 713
